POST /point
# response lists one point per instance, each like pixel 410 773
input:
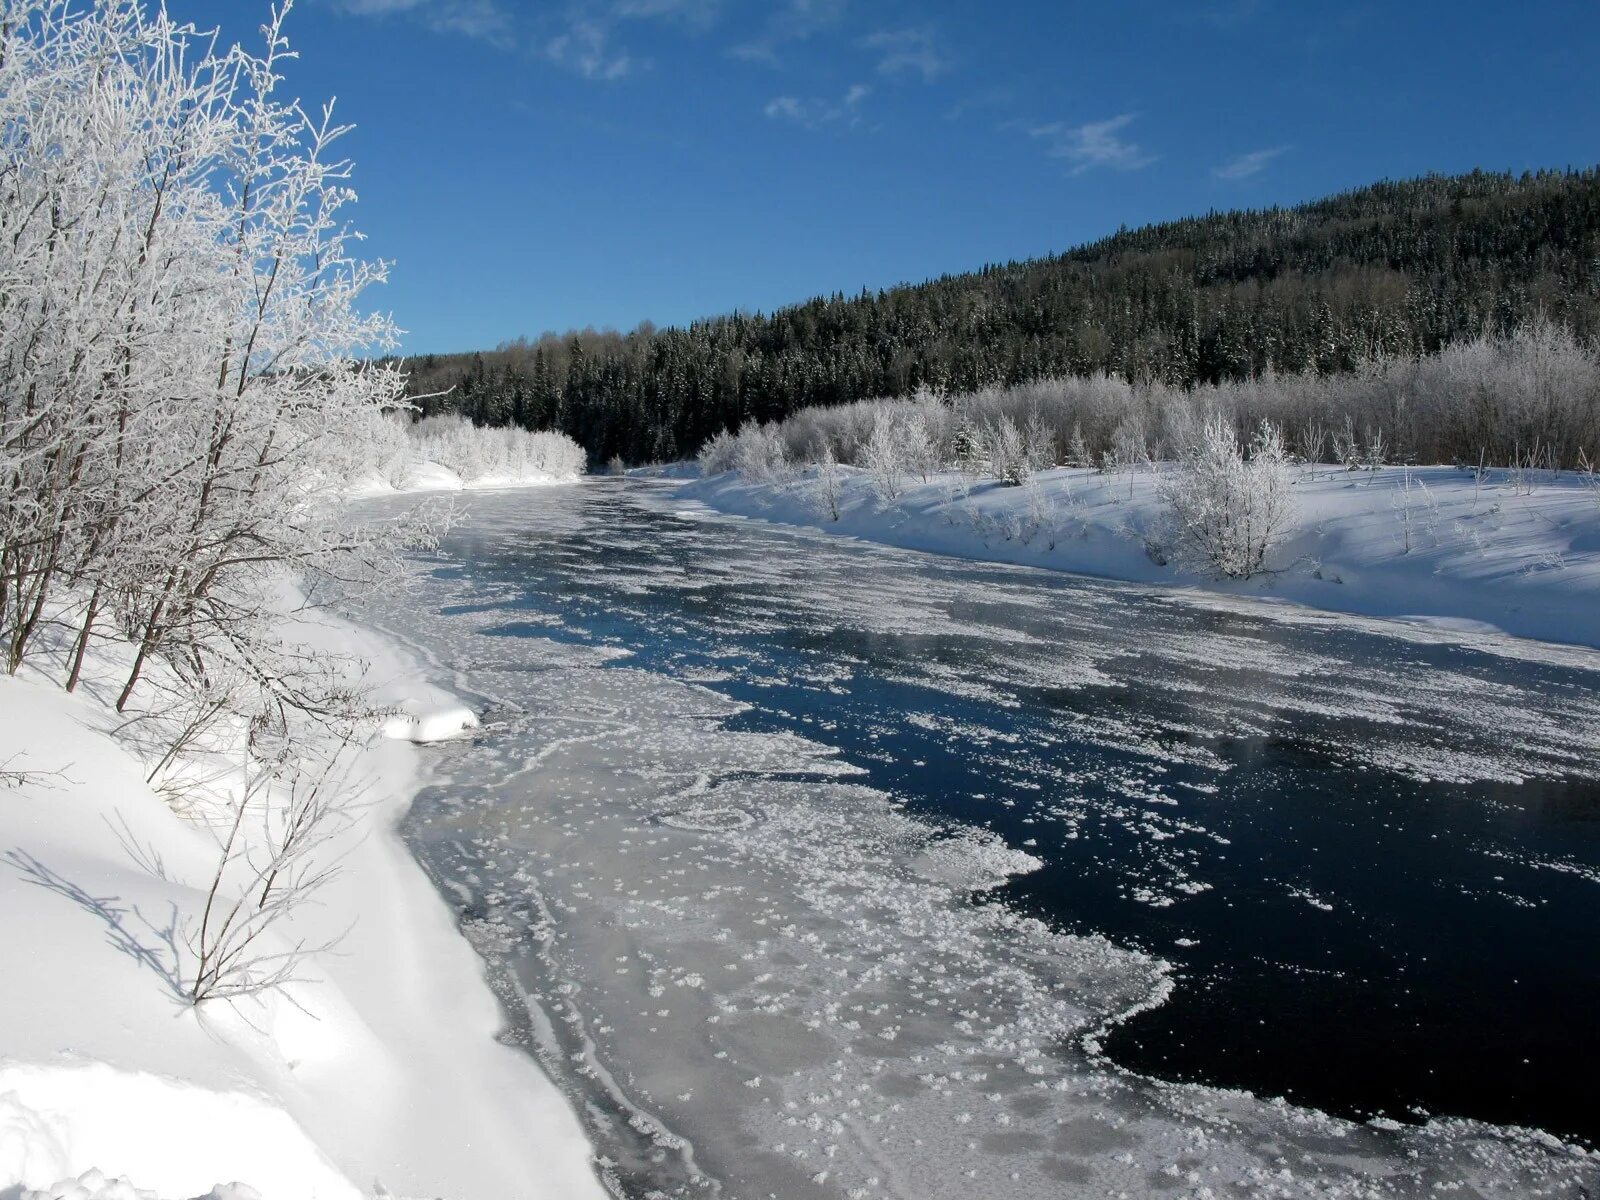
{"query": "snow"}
pixel 93 1185
pixel 437 725
pixel 432 477
pixel 380 1070
pixel 73 1115
pixel 1431 545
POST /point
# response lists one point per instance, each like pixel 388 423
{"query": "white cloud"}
pixel 815 112
pixel 907 52
pixel 585 47
pixel 1095 144
pixel 701 13
pixel 794 21
pixel 472 18
pixel 582 38
pixel 1247 165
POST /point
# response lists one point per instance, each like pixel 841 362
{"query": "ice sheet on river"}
pixel 763 979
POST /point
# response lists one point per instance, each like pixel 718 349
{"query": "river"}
pixel 815 868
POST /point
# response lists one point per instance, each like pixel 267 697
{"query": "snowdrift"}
pixel 380 1070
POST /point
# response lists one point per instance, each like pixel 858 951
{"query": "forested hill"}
pixel 1395 268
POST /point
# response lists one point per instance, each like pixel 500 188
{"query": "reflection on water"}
pixel 739 832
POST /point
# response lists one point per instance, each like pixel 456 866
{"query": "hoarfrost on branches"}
pixel 187 388
pixel 1228 510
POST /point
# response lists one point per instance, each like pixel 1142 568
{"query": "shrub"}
pixel 475 452
pixel 1227 511
pixel 716 456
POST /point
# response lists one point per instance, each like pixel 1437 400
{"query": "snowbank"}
pixel 432 477
pixel 381 1071
pixel 1429 544
pixel 448 453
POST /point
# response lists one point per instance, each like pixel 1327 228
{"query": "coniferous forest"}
pixel 1395 269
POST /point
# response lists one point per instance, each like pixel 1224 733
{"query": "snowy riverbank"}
pixel 1517 555
pixel 431 477
pixel 379 1075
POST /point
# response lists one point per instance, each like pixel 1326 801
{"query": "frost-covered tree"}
pixel 1228 510
pixel 187 388
pixel 1078 454
pixel 827 484
pixel 761 456
pixel 184 367
pixel 885 456
pixel 477 452
pixel 716 456
pixel 1006 451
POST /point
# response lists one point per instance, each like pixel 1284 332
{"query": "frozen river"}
pixel 817 869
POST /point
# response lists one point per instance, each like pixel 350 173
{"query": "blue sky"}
pixel 533 166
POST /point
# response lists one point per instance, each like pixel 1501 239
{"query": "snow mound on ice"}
pixel 973 860
pixel 438 725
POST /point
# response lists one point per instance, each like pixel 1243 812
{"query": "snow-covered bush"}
pixel 387 451
pixel 827 483
pixel 1228 510
pixel 917 429
pixel 716 456
pixel 477 453
pixel 884 456
pixel 1078 449
pixel 1489 399
pixel 1005 453
pixel 759 454
pixel 1039 517
pixel 1130 441
pixel 1311 437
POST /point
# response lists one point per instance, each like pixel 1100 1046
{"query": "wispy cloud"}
pixel 792 21
pixel 585 46
pixel 990 100
pixel 472 18
pixel 701 13
pixel 814 113
pixel 587 37
pixel 1245 166
pixel 1095 144
pixel 907 52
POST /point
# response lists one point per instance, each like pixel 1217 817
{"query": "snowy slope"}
pixel 1427 543
pixel 381 1071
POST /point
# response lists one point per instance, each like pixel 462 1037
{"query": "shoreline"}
pixel 1509 566
pixel 379 1070
pixel 517 1119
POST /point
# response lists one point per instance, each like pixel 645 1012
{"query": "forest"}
pixel 1393 270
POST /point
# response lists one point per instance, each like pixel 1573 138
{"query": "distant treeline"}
pixel 1395 269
